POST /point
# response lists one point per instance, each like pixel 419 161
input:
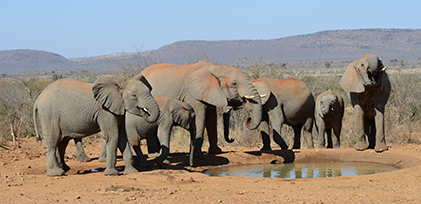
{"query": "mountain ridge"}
pixel 329 45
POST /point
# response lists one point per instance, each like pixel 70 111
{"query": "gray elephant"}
pixel 285 101
pixel 328 115
pixel 205 86
pixel 369 89
pixel 70 109
pixel 173 113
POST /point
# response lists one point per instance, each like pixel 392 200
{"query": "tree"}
pixel 327 64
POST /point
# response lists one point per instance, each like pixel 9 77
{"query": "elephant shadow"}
pixel 287 155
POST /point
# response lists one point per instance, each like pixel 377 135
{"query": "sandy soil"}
pixel 23 178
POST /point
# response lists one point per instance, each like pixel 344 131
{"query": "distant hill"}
pixel 335 45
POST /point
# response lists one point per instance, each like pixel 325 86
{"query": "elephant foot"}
pixel 144 163
pixel 214 150
pixel 321 146
pixel 361 146
pixel 130 170
pixel 199 155
pixel 83 158
pixel 56 171
pixel 102 159
pixel 162 161
pixel 297 147
pixel 381 147
pixel 110 171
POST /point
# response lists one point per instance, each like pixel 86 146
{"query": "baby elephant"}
pixel 328 115
pixel 173 113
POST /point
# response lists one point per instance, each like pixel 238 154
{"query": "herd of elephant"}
pixel 165 95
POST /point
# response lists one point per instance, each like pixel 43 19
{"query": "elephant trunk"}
pixel 153 112
pixel 256 108
pixel 226 120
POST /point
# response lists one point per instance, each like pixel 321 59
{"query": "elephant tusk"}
pixel 263 95
pixel 228 110
pixel 384 69
pixel 146 111
pixel 248 97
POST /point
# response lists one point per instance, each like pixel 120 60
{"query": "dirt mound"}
pixel 23 178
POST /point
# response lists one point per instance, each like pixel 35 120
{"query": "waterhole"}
pixel 303 170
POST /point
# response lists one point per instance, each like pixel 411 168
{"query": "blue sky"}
pixel 93 28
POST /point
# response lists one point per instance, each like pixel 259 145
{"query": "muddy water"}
pixel 303 170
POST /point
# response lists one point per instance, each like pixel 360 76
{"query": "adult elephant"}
pixel 369 89
pixel 285 101
pixel 205 86
pixel 70 109
pixel 173 113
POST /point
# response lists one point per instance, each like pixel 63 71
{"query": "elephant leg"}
pixel 297 136
pixel 264 132
pixel 200 124
pixel 103 157
pixel 80 152
pixel 141 159
pixel 362 143
pixel 52 142
pixel 370 132
pixel 62 151
pixel 164 139
pixel 211 129
pixel 276 121
pixel 379 127
pixel 336 139
pixel 329 138
pixel 111 141
pixel 153 146
pixel 125 148
pixel 308 128
pixel 321 130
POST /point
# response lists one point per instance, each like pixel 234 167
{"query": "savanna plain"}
pixel 23 176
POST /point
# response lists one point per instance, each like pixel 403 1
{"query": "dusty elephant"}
pixel 173 113
pixel 70 109
pixel 205 86
pixel 369 89
pixel 285 101
pixel 328 115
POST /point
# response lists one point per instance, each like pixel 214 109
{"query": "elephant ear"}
pixel 181 117
pixel 350 81
pixel 142 78
pixel 318 107
pixel 205 86
pixel 107 91
pixel 264 91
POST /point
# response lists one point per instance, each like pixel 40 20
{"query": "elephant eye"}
pixel 134 95
pixel 234 83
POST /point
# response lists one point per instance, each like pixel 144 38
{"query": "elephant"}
pixel 173 113
pixel 368 86
pixel 285 101
pixel 328 116
pixel 70 109
pixel 205 86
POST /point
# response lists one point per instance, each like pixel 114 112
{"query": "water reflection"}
pixel 303 170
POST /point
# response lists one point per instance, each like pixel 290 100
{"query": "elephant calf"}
pixel 173 113
pixel 328 115
pixel 286 101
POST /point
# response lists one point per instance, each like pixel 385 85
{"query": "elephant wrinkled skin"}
pixel 285 101
pixel 205 86
pixel 328 115
pixel 70 109
pixel 369 89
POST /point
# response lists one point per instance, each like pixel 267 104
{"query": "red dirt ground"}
pixel 23 178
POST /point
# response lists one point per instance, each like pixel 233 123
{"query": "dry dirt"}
pixel 23 178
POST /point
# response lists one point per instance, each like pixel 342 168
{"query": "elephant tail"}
pixel 38 137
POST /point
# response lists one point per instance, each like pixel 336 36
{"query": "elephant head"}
pixel 222 85
pixel 118 95
pixel 263 91
pixel 327 103
pixel 367 71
